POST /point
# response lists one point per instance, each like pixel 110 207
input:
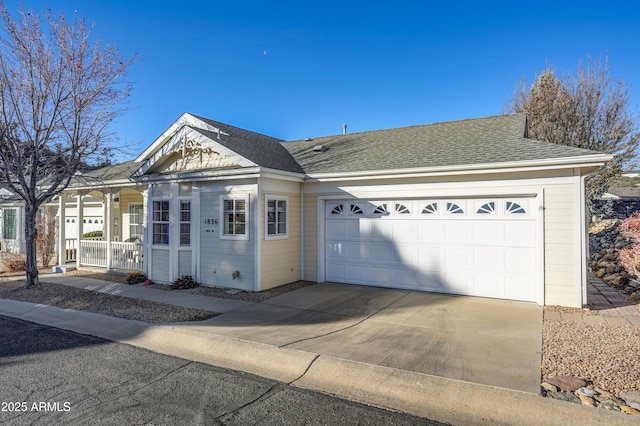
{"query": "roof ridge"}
pixel 452 122
pixel 216 123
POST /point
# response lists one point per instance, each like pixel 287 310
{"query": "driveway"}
pixel 485 341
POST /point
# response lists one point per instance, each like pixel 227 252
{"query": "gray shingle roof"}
pixel 260 149
pixel 457 143
pixel 116 172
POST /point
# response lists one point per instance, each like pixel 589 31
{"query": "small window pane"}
pixel 185 234
pixel 10 224
pixel 276 217
pixel 487 208
pixel 161 233
pixel 234 217
pixel 184 189
pixel 454 208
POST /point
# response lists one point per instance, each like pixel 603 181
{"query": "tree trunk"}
pixel 31 233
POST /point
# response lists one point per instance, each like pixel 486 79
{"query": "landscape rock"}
pixel 586 392
pixel 567 383
pixel 587 400
pixel 630 410
pixel 549 387
pixel 563 396
pixel 632 398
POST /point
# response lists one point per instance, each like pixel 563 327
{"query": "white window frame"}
pixel 161 222
pixel 247 215
pixel 141 219
pixel 14 212
pixel 276 236
pixel 182 221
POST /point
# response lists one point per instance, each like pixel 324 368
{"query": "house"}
pixel 11 220
pixel 470 207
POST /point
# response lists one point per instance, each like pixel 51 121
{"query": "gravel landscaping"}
pixel 607 356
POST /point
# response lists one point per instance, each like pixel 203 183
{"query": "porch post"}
pixel 146 234
pixel 80 218
pixel 62 241
pixel 107 227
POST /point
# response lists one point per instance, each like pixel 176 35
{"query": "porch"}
pixel 104 254
pixel 103 228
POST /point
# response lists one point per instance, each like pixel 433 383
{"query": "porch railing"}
pixel 126 256
pixel 71 250
pixel 94 253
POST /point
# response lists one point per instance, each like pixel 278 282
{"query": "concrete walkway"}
pixel 455 359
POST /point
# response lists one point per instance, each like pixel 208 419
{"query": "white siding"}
pixel 219 258
pixel 184 263
pixel 160 268
pixel 561 271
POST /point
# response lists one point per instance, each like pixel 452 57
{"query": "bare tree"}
pixel 46 226
pixel 59 91
pixel 589 109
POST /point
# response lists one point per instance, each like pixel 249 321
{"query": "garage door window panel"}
pixel 455 208
pixel 430 209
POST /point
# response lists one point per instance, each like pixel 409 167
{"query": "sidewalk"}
pixel 186 300
pixel 439 398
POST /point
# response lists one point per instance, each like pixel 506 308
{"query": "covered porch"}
pixel 108 234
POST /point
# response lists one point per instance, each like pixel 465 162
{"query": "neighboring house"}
pixel 620 201
pixel 11 221
pixel 468 207
pixel 12 235
pixel 622 192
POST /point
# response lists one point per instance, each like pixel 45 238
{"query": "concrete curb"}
pixel 447 400
pixel 284 365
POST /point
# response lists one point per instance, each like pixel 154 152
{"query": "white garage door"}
pixel 480 247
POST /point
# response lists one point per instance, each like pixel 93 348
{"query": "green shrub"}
pixel 135 277
pixel 184 282
pixel 92 234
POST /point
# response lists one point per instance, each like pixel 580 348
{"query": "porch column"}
pixel 146 234
pixel 80 218
pixel 62 241
pixel 107 227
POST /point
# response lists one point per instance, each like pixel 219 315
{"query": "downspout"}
pixel 302 231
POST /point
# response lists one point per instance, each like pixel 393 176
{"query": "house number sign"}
pixel 212 223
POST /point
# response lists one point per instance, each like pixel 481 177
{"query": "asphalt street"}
pixel 51 376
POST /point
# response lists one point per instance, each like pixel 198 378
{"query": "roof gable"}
pixel 196 143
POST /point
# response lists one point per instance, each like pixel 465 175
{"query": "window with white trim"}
pixel 10 224
pixel 276 220
pixel 161 222
pixel 185 223
pixel 234 218
pixel 135 221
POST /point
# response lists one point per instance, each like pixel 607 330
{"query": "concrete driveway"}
pixel 485 341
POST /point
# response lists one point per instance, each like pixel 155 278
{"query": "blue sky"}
pixel 303 69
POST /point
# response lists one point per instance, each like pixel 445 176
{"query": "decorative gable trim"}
pixel 186 139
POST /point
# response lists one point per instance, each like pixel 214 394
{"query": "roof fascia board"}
pixel 185 119
pixel 203 175
pixel 556 163
pixel 103 184
pixel 250 172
